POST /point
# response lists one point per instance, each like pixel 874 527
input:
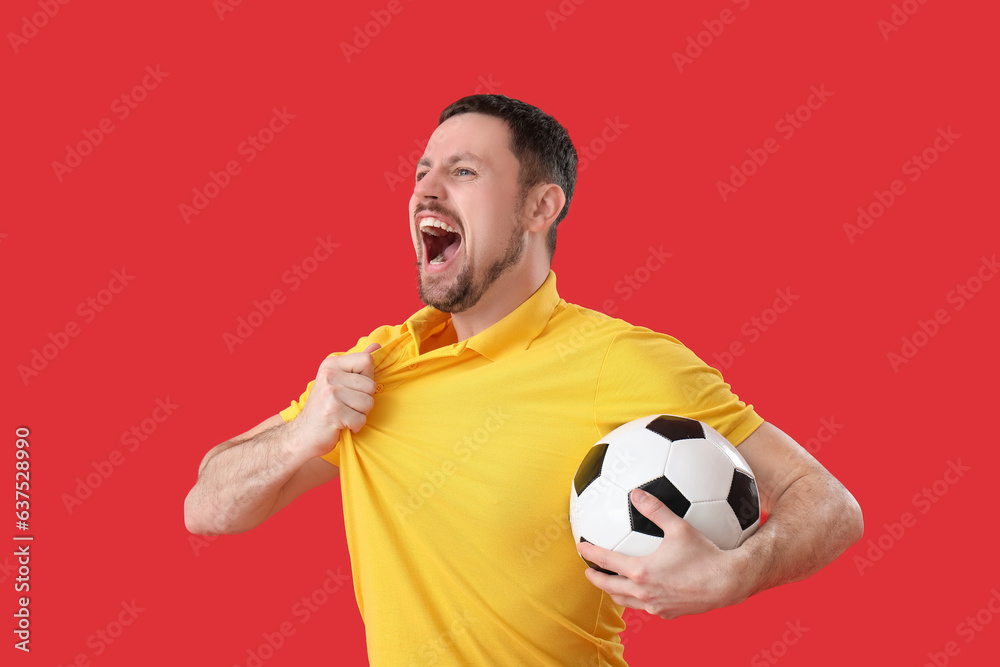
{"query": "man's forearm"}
pixel 239 482
pixel 815 520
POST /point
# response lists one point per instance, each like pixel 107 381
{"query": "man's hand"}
pixel 811 520
pixel 247 479
pixel 687 574
pixel 342 395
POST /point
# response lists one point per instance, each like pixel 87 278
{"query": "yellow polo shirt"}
pixel 456 491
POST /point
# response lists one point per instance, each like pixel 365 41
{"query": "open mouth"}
pixel 441 241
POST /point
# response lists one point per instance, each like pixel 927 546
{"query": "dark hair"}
pixel 542 146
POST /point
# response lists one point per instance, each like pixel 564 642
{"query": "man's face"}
pixel 465 212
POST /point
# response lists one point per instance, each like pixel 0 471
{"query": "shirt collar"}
pixel 511 334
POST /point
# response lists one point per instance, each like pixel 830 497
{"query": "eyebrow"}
pixel 456 157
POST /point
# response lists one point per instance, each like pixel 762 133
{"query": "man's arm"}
pixel 247 479
pixel 244 481
pixel 812 520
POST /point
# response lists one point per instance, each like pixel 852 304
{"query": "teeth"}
pixel 439 259
pixel 431 225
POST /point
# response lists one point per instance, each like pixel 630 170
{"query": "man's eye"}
pixel 421 174
pixel 468 172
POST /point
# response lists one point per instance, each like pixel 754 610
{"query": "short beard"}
pixel 466 292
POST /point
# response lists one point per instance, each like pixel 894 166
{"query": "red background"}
pixel 654 185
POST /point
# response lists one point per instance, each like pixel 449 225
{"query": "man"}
pixel 456 435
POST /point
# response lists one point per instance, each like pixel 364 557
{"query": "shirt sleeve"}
pixel 646 373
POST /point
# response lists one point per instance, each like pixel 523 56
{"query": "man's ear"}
pixel 543 205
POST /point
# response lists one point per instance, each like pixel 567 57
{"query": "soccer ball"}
pixel 685 463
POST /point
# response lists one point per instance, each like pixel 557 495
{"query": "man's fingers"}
pixel 354 420
pixel 349 409
pixel 356 401
pixel 612 584
pixel 604 559
pixel 366 366
pixel 353 382
pixel 654 510
pixel 631 603
pixel 358 362
pixel 344 390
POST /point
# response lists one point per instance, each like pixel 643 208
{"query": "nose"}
pixel 429 185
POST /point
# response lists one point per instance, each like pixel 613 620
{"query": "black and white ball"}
pixel 685 463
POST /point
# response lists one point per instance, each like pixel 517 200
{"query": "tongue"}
pixel 452 248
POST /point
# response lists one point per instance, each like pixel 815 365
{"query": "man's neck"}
pixel 502 298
